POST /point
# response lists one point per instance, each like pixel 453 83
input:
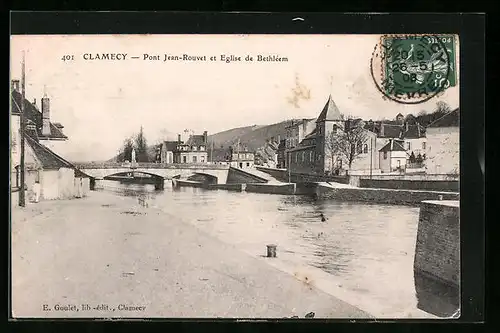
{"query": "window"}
pixel 202 148
pixel 194 159
pixel 318 157
pixel 385 155
pixel 303 156
pixel 296 157
pixel 319 129
pixel 423 145
pixel 248 164
pixel 399 163
pixel 311 157
pixel 408 146
pixel 334 130
pixel 169 158
pixel 202 159
pixel 360 148
pixel 184 159
pixel 365 148
pixel 193 148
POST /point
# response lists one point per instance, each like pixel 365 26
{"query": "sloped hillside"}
pixel 254 137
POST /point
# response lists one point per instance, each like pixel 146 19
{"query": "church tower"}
pixel 329 120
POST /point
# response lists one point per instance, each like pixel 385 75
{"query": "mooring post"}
pixel 271 251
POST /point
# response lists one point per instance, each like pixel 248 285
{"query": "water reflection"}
pixel 368 247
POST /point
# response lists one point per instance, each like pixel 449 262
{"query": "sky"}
pixel 101 102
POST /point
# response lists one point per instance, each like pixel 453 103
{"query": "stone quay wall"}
pixel 437 251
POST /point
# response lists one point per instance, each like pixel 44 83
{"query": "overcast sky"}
pixel 102 102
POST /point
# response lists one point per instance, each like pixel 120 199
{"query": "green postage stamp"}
pixel 412 69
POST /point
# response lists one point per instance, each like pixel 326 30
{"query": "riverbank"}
pixel 106 250
pixel 332 191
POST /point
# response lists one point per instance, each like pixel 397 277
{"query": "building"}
pixel 443 145
pixel 194 150
pixel 393 157
pixel 45 132
pixel 296 131
pixel 241 157
pixel 268 154
pixel 220 155
pixel 281 155
pixel 411 133
pixel 58 178
pixel 167 151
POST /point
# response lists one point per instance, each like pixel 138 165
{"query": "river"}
pixel 367 249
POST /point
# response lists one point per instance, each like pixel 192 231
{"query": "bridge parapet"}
pixel 183 166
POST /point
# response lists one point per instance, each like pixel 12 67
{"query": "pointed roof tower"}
pixel 330 112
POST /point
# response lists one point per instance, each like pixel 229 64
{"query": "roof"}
pixel 413 131
pixel 35 115
pixel 312 134
pixel 219 154
pixel 294 123
pixel 451 119
pixel 47 157
pixel 330 111
pixel 392 145
pixel 273 145
pixel 171 145
pixel 196 140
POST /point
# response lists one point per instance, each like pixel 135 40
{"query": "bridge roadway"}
pixel 160 170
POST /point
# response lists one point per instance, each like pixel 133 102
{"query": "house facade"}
pixel 193 150
pixel 393 157
pixel 443 145
pixel 296 131
pixel 241 158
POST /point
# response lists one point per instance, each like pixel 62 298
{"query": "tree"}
pixel 141 147
pixel 346 143
pixel 128 145
pixel 442 107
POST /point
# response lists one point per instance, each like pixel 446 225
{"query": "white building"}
pixel 392 157
pixel 443 145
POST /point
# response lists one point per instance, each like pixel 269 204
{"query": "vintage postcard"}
pixel 235 176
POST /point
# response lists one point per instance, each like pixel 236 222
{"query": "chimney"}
pixel 45 115
pixel 205 135
pixel 279 138
pixel 34 102
pixel 381 129
pixel 178 138
pixel 15 85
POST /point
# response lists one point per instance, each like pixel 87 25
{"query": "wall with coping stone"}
pixel 238 176
pixel 382 196
pixel 431 185
pixel 437 250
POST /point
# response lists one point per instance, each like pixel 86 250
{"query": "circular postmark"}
pixel 411 69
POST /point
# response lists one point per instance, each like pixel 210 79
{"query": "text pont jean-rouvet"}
pixel 184 57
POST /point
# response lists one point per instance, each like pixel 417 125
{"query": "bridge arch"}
pixel 154 179
pixel 204 178
pixel 126 172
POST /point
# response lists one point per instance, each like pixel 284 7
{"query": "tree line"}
pixel 139 143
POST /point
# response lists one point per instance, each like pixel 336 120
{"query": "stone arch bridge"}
pixel 215 173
